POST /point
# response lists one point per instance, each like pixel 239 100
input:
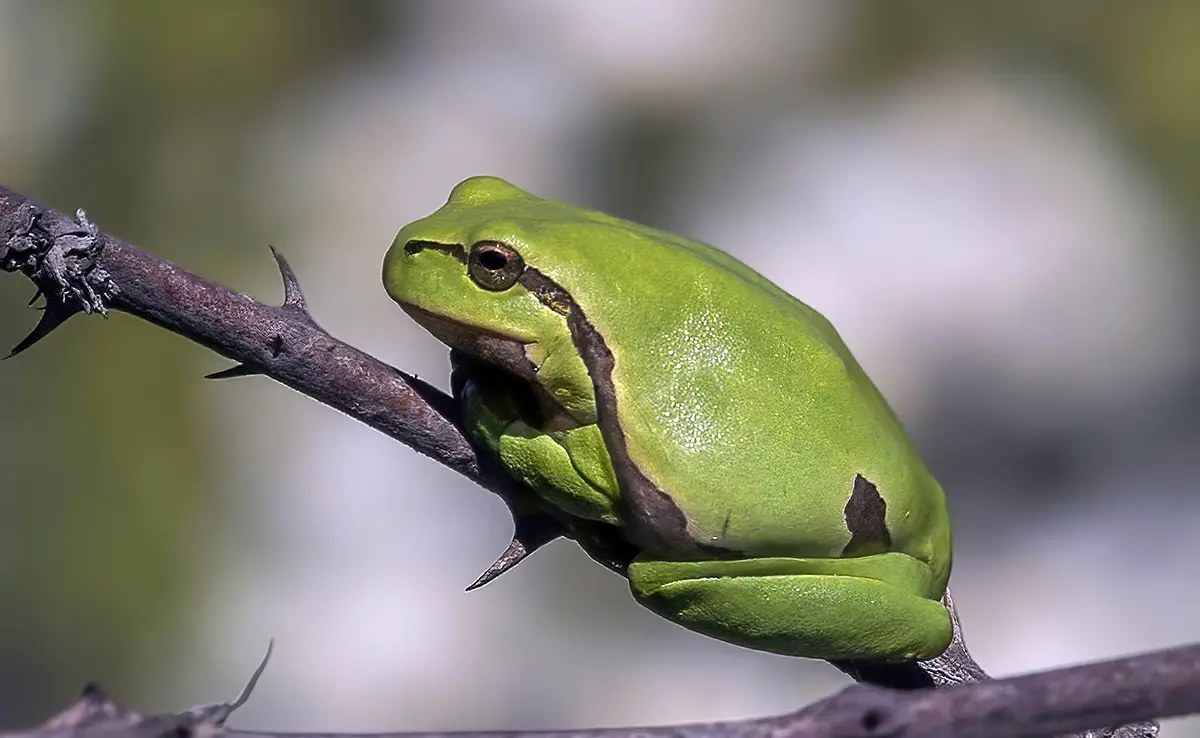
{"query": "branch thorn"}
pixel 216 715
pixel 531 531
pixel 238 370
pixel 247 690
pixel 54 315
pixel 293 297
pixel 513 555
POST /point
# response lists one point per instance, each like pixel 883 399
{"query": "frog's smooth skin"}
pixel 656 384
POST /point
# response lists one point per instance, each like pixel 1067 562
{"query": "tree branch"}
pixel 1080 698
pixel 79 269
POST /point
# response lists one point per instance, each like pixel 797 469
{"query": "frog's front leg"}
pixel 876 608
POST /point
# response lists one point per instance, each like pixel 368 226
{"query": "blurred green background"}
pixel 994 202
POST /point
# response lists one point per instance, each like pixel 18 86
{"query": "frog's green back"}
pixel 734 396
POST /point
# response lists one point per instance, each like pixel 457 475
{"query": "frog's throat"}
pixel 493 347
pixel 656 524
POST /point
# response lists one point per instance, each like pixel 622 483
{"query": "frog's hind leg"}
pixel 801 607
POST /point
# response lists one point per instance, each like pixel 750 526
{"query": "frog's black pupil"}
pixel 492 260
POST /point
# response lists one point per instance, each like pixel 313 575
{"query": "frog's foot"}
pixel 875 608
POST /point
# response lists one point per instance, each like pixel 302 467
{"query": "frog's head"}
pixel 461 274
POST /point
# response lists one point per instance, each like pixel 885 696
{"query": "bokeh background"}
pixel 995 203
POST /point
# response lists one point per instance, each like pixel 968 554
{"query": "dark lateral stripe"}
pixel 455 250
pixel 656 524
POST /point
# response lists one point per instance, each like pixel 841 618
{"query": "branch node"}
pixel 59 255
pixel 93 708
pixel 93 691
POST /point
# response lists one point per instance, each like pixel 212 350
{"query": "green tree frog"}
pixel 657 385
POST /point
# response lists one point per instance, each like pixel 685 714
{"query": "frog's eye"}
pixel 494 266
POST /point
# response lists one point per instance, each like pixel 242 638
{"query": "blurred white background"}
pixel 984 215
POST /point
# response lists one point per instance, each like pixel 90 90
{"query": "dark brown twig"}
pixel 78 269
pixel 1080 698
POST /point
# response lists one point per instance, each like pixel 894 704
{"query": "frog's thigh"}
pixel 544 465
pixel 823 616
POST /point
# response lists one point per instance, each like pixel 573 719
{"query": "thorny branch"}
pixel 1160 684
pixel 78 269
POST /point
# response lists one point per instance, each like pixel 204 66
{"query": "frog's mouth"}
pixel 512 376
pixel 498 349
